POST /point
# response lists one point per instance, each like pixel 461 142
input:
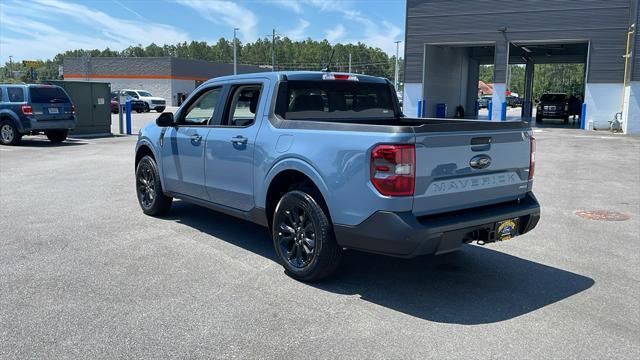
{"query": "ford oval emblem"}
pixel 480 161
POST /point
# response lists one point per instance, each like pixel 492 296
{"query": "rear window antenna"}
pixel 327 68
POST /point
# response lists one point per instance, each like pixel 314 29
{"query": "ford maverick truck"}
pixel 327 162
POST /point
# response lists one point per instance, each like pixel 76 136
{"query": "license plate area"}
pixel 54 111
pixel 506 229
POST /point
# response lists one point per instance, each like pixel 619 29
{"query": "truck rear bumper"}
pixel 404 235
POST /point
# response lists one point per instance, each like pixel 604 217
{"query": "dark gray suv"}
pixel 553 106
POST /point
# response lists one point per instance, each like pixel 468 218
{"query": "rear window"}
pixel 50 94
pixel 334 100
pixel 553 97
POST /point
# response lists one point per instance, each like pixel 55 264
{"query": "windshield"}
pixel 332 100
pixel 144 93
pixel 553 97
pixel 49 94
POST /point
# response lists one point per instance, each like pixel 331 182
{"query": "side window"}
pixel 15 94
pixel 203 108
pixel 133 94
pixel 243 106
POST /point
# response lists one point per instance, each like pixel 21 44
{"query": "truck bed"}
pixel 404 124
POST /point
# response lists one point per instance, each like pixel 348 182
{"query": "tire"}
pixel 538 119
pixel 566 120
pixel 57 136
pixel 303 237
pixel 138 111
pixel 9 134
pixel 151 198
pixel 146 108
pixel 159 109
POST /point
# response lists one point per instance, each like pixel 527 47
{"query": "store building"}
pixel 167 77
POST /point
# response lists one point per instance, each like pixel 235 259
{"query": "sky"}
pixel 40 29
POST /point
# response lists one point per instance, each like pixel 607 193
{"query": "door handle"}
pixel 195 139
pixel 239 140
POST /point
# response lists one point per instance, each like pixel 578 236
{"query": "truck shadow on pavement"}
pixel 474 286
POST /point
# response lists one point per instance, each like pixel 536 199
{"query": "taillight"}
pixel 27 110
pixel 393 169
pixel 532 158
pixel 335 76
pixel 73 109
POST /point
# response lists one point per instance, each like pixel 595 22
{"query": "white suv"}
pixel 151 102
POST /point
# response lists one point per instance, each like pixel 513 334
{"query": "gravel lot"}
pixel 84 274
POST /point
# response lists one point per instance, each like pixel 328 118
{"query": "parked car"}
pixel 483 102
pixel 327 161
pixel 33 109
pixel 514 101
pixel 136 104
pixel 114 107
pixel 553 106
pixel 150 102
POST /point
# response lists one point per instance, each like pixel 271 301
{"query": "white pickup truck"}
pixel 151 102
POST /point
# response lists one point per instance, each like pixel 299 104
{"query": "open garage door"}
pixel 451 75
pixel 546 82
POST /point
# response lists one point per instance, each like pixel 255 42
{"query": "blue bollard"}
pixel 127 108
pixel 503 112
pixel 419 108
pixel 441 110
pixel 583 116
pixel 490 108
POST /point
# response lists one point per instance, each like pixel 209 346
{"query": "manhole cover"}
pixel 602 215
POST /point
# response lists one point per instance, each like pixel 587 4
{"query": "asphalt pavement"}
pixel 84 274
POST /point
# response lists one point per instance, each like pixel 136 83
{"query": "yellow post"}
pixel 626 63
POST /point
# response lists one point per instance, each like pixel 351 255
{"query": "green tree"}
pixel 305 54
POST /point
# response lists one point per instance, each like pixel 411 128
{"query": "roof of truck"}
pixel 297 75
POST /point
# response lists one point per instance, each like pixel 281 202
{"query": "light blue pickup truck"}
pixel 328 162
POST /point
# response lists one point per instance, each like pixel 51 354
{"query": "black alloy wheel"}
pixel 296 236
pixel 151 198
pixel 303 236
pixel 146 186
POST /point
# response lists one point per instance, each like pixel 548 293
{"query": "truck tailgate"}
pixel 459 170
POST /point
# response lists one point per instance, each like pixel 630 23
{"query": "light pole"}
pixel 396 75
pixel 235 61
pixel 273 50
pixel 11 66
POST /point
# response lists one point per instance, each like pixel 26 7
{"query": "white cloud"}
pixel 293 5
pixel 299 32
pixel 382 36
pixel 335 34
pixel 137 14
pixel 377 34
pixel 226 13
pixel 339 6
pixel 39 30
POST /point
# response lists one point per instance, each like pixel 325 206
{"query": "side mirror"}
pixel 165 119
